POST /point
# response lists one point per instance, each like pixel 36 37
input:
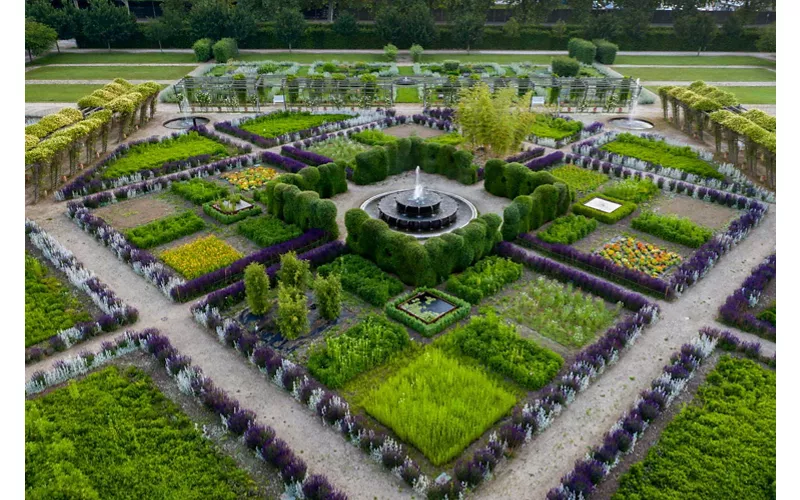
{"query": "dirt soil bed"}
pixel 409 129
pixel 132 213
pixel 710 215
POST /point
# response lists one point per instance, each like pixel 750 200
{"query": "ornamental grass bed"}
pixel 284 122
pixel 200 256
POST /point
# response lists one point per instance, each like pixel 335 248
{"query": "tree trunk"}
pixel 331 3
pixel 290 48
pixel 160 48
pixel 109 46
pixel 698 52
pixel 57 47
pixel 30 56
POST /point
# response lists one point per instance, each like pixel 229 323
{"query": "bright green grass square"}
pixel 113 434
pixel 439 404
pixel 108 72
pixel 580 179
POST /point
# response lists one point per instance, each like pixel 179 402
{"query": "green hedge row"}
pixel 229 218
pixel 582 50
pixel 609 218
pixel 510 180
pixel 326 180
pixel 606 51
pixel 670 227
pixel 363 278
pixel 304 209
pixel 414 263
pixel 165 230
pixel 322 36
pixel 428 329
pixel 406 154
pixel 527 213
pixel 485 278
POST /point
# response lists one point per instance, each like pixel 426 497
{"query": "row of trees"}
pixel 400 22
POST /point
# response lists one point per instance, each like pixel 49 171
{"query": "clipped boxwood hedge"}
pixel 428 330
pixel 230 219
pixel 620 213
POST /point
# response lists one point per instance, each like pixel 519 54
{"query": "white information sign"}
pixel 602 205
pixel 537 100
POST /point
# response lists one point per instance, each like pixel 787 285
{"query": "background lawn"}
pixel 696 61
pixel 407 94
pixel 51 92
pixel 113 57
pixel 705 74
pixel 496 58
pixel 108 72
pixel 746 95
pixel 309 57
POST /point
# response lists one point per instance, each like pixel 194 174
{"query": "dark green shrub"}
pixel 363 278
pixel 371 166
pixel 268 230
pixel 606 51
pixel 527 213
pixel 202 49
pixel 510 180
pixel 582 50
pixel 565 66
pixel 165 230
pixel 302 208
pixel 423 328
pixel 366 345
pixel 328 291
pixel 672 228
pixel 225 49
pixel 294 273
pixel 609 218
pixel 568 229
pixel 485 278
pixel 450 65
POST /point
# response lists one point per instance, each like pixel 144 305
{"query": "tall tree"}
pixel 468 29
pixel 106 23
pixel 696 30
pixel 241 25
pixel 157 31
pixel 290 25
pixel 749 8
pixel 605 25
pixel 767 39
pixel 333 6
pixel 533 11
pixel 581 10
pixel 636 15
pixel 406 22
pixel 38 38
pixel 210 19
pixel 65 20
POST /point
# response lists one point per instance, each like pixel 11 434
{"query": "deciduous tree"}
pixel 290 25
pixel 106 23
pixel 38 38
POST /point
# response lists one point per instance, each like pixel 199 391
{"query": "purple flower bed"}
pixel 545 161
pixel 261 439
pixel 623 436
pixel 593 128
pixel 91 182
pixel 282 162
pixel 269 255
pixel 115 313
pixel 736 309
pixel 440 113
pixel 306 157
pixel 439 118
pixel 525 155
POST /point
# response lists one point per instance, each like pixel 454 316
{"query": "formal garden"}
pixel 409 274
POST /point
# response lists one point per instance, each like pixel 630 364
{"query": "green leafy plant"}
pixel 200 256
pixel 50 305
pixel 328 292
pixel 148 155
pixel 268 230
pixel 416 52
pixel 73 451
pixel 226 213
pixel 451 139
pixel 292 318
pixel 285 122
pixel 363 278
pixel 568 229
pixel 582 50
pixel 579 179
pixel 484 278
pixel 373 137
pixel 165 230
pixel 559 312
pixel 411 310
pixel 565 66
pixel 364 346
pixel 294 273
pixel 202 49
pixel 498 120
pixel 722 446
pixel 769 314
pixel 660 153
pixel 341 149
pixel 256 288
pixel 672 228
pixel 439 404
pixel 635 190
pixel 199 191
pixel 390 52
pixel 498 345
pixel 555 128
pixel 225 49
pixel 620 213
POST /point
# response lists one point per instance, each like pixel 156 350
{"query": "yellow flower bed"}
pixel 644 257
pixel 200 256
pixel 250 178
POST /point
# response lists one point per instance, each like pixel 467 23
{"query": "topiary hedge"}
pixel 326 180
pixel 565 66
pixel 582 50
pixel 225 49
pixel 606 51
pixel 609 218
pixel 527 213
pixel 304 209
pixel 414 263
pixel 202 49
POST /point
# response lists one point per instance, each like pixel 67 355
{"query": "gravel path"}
pixel 539 466
pixel 715 84
pixel 322 448
pixel 699 66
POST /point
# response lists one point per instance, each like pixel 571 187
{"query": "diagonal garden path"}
pixel 323 449
pixel 539 465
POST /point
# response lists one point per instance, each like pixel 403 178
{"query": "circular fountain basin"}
pixel 631 123
pixel 431 215
pixel 186 122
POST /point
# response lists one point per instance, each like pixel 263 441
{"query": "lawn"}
pixel 438 404
pixel 49 92
pixel 407 94
pixel 721 446
pixel 108 72
pixel 495 58
pixel 113 434
pixel 696 61
pixel 406 70
pixel 285 122
pixel 49 304
pixel 309 57
pixel 113 58
pixel 706 74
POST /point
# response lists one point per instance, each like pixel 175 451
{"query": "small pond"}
pixel 426 307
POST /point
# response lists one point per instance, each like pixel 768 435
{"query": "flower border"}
pixel 735 310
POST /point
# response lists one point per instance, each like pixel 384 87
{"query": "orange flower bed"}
pixel 250 178
pixel 643 257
